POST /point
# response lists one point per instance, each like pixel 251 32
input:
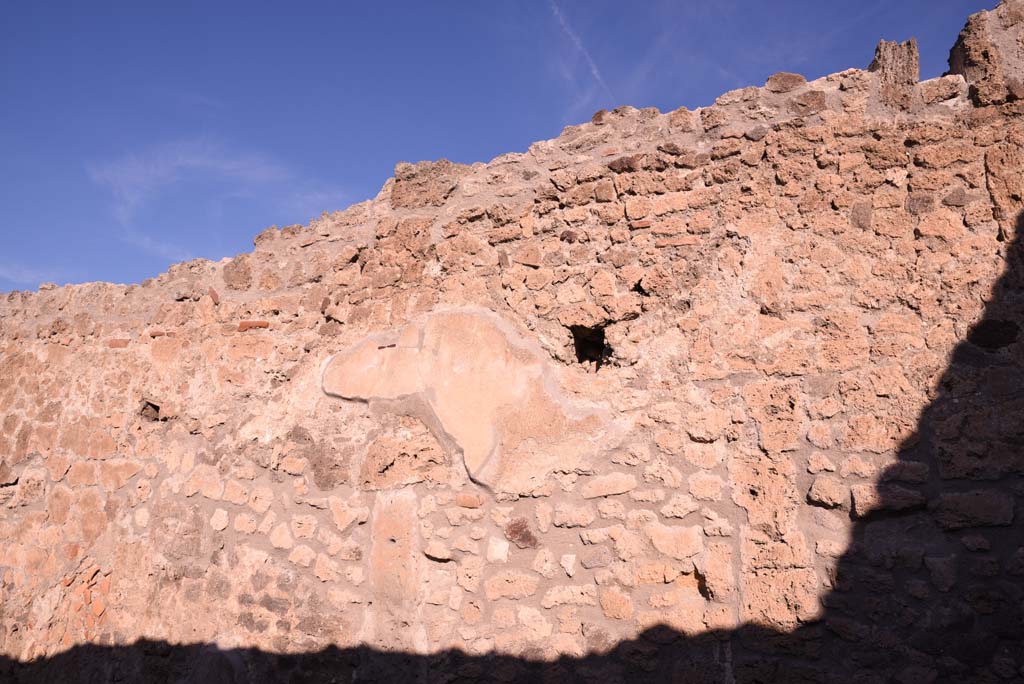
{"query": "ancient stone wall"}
pixel 727 395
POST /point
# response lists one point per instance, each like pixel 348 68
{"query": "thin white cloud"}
pixel 138 177
pixel 150 245
pixel 574 38
pixel 822 41
pixel 311 202
pixel 19 274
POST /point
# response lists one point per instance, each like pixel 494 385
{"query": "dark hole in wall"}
pixel 590 345
pixel 994 334
pixel 702 584
pixel 149 410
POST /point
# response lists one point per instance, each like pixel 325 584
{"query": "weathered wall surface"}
pixel 399 428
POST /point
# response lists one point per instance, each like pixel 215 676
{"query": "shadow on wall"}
pixel 930 589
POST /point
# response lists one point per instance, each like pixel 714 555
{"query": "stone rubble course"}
pixel 725 395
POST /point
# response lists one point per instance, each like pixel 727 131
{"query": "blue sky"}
pixel 137 134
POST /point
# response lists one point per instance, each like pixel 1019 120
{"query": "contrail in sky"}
pixel 567 29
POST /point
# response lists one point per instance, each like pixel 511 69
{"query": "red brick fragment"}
pixel 252 325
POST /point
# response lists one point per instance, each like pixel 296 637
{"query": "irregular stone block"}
pixel 870 498
pixel 783 82
pixel 829 492
pixel 675 541
pixel 562 595
pixel 510 584
pixel 897 69
pixel 608 485
pixel 425 184
pixel 978 508
pixel 988 54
